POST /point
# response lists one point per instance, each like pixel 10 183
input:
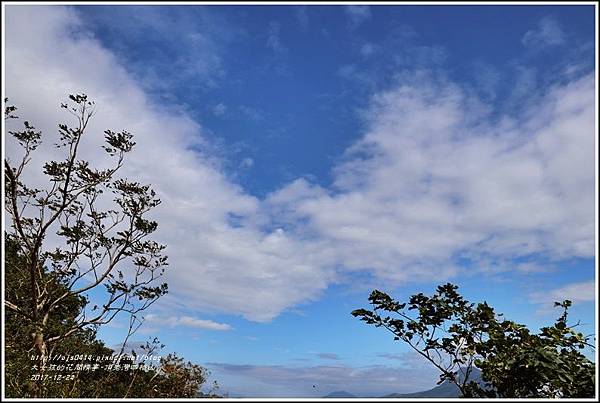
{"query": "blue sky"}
pixel 308 154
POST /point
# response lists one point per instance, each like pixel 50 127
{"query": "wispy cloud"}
pixel 252 113
pixel 421 56
pixel 547 33
pixel 368 49
pixel 576 292
pixel 186 40
pixel 277 61
pixel 219 109
pixel 407 359
pixel 525 84
pixel 186 321
pixel 487 78
pixel 404 51
pixel 301 13
pixel 357 14
pixel 533 267
pixel 393 356
pixel 274 39
pixel 328 356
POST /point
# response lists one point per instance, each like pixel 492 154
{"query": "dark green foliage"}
pixel 18 333
pixel 459 337
pixel 177 378
pixel 172 378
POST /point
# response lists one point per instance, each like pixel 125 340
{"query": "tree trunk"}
pixel 37 385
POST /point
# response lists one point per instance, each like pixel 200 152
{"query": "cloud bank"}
pixel 318 381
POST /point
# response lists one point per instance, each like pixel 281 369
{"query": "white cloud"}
pixel 584 291
pixel 214 266
pixel 432 178
pixel 186 321
pixel 357 14
pixel 547 33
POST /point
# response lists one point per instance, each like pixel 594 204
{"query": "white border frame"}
pixel 292 3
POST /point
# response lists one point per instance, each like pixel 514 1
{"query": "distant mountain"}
pixel 446 389
pixel 340 393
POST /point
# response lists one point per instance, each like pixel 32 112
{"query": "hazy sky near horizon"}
pixel 306 155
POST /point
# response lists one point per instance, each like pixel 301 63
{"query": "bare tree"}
pixel 98 246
